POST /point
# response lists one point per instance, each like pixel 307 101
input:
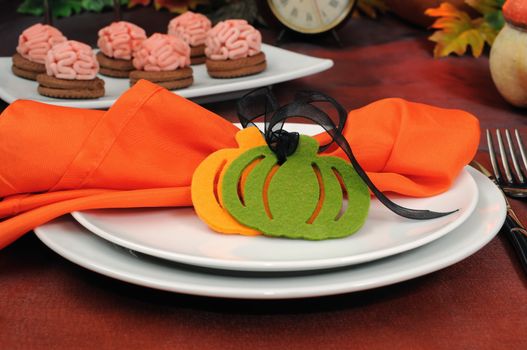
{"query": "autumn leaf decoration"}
pixel 456 30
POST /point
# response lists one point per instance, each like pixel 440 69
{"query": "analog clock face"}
pixel 311 16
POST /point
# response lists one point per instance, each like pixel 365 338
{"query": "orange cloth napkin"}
pixel 142 152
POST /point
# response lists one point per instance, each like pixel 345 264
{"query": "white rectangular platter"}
pixel 282 65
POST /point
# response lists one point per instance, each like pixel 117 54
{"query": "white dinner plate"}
pixel 78 245
pixel 177 234
pixel 282 65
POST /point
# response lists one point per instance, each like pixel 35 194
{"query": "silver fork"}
pixel 513 183
pixel 512 186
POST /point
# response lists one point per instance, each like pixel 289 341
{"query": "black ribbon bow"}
pixel 262 102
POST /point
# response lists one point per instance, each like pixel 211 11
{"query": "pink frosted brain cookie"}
pixel 33 46
pixel 35 42
pixel 192 28
pixel 163 59
pixel 233 49
pixel 117 43
pixel 71 72
pixel 72 60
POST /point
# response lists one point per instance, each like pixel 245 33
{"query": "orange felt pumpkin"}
pixel 206 184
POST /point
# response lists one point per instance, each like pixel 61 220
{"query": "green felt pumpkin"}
pixel 302 198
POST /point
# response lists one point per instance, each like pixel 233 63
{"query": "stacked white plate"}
pixel 171 249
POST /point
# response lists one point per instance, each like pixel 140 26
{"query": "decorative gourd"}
pixel 302 198
pixel 508 56
pixel 206 184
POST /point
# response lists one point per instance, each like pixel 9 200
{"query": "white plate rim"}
pixel 279 265
pixel 429 259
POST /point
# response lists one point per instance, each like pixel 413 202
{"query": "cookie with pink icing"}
pixel 117 43
pixel 71 72
pixel 193 29
pixel 33 46
pixel 72 60
pixel 163 59
pixel 233 49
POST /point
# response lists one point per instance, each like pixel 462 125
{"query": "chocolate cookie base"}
pixel 171 80
pixel 24 68
pixel 197 60
pixel 114 73
pixel 197 54
pixel 70 89
pixel 197 50
pixel 236 68
pixel 114 67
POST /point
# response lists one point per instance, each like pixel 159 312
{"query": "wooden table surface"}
pixel 46 302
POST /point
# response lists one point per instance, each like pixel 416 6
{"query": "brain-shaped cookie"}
pixel 72 60
pixel 162 52
pixel 35 42
pixel 120 39
pixel 232 39
pixel 191 27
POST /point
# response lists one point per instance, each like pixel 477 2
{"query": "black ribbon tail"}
pixel 416 214
pixel 262 102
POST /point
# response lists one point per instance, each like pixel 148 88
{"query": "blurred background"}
pixel 429 51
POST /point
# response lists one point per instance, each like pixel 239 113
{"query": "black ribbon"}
pixel 262 102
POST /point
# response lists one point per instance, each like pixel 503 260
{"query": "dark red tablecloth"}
pixel 46 302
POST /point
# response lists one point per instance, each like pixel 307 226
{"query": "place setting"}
pixel 239 242
pixel 249 276
pixel 233 174
pixel 161 192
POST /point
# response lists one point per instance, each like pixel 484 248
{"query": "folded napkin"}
pixel 142 152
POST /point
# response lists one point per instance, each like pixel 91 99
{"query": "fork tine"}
pixel 504 160
pixel 512 152
pixel 521 148
pixel 492 154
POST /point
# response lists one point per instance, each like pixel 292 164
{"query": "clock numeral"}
pixel 284 2
pixel 334 3
pixel 309 18
pixel 294 13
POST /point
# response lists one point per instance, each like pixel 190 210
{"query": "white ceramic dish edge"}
pixel 277 265
pixel 224 89
pixel 475 234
